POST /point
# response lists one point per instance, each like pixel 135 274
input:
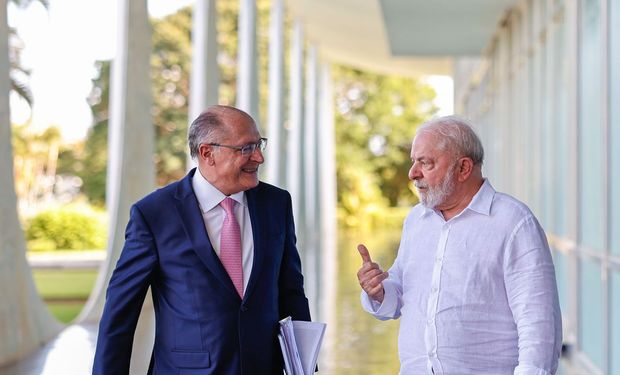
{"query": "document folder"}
pixel 300 343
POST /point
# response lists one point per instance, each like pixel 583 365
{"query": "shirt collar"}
pixel 209 196
pixel 480 203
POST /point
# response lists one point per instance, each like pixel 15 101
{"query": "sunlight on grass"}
pixel 61 283
pixel 65 312
pixel 64 291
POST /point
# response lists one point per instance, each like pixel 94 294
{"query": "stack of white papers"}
pixel 300 343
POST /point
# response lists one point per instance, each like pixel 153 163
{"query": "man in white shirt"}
pixel 473 282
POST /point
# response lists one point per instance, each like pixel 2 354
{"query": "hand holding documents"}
pixel 300 343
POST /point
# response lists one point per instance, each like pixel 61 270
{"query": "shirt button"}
pixel 430 321
pixel 432 354
pixel 438 259
pixel 434 290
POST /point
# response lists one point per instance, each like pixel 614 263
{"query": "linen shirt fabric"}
pixel 475 294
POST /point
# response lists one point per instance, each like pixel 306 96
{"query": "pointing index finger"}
pixel 364 253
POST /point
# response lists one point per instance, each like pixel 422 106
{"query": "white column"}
pixel 25 322
pixel 275 131
pixel 205 80
pixel 294 174
pixel 247 60
pixel 131 172
pixel 310 185
pixel 328 259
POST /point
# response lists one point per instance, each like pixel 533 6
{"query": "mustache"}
pixel 420 184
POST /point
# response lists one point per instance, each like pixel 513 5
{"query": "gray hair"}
pixel 456 136
pixel 206 127
pixel 202 130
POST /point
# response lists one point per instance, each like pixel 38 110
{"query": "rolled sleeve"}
pixel 389 308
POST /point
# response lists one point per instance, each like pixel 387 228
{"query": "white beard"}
pixel 436 195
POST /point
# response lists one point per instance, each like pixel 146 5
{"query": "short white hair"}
pixel 456 136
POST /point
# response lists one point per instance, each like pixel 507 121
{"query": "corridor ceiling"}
pixel 406 37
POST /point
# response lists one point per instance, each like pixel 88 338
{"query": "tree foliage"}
pixel 376 115
pixel 73 227
pixel 89 159
pixel 376 119
pixel 17 73
pixel 35 165
pixel 170 67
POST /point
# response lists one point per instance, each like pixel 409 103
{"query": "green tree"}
pixel 17 73
pixel 376 119
pixel 170 71
pixel 88 160
pixel 35 157
pixel 376 115
pixel 170 67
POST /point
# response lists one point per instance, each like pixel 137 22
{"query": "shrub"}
pixel 72 227
pixel 42 244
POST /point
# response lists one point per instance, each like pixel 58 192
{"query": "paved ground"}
pixel 70 353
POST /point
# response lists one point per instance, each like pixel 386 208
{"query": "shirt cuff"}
pixel 524 369
pixel 382 310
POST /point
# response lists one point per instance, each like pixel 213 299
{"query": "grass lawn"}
pixel 64 290
pixel 65 312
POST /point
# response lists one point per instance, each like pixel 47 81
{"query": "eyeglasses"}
pixel 248 149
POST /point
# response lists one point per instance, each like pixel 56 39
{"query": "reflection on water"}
pixel 357 342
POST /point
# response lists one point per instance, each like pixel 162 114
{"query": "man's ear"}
pixel 205 152
pixel 465 168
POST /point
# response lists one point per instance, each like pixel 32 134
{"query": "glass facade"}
pixel 561 131
pixel 615 324
pixel 591 182
pixel 614 100
pixel 561 275
pixel 560 127
pixel 591 312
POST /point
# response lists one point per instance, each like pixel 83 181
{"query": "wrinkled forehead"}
pixel 426 144
pixel 238 127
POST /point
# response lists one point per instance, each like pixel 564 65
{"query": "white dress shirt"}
pixel 213 214
pixel 475 294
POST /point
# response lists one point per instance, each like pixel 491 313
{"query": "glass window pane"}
pixel 559 260
pixel 615 323
pixel 591 312
pixel 614 169
pixel 591 228
pixel 562 130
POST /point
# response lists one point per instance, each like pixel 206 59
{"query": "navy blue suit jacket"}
pixel 202 325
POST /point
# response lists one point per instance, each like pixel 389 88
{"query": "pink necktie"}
pixel 230 245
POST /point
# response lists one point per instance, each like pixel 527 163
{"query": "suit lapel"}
pixel 259 250
pixel 189 210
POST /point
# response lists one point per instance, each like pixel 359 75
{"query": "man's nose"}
pixel 257 156
pixel 414 173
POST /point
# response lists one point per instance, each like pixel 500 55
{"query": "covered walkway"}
pixel 538 77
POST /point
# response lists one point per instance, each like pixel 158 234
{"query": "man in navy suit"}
pixel 206 324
